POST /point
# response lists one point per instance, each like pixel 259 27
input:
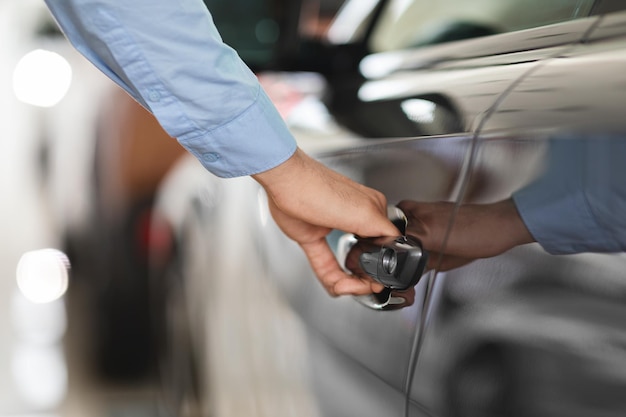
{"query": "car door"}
pixel 423 107
pixel 362 357
pixel 526 332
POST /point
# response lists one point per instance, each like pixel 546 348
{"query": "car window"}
pixel 410 23
pixel 251 27
pixel 608 6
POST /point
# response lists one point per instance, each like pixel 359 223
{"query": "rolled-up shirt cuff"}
pixel 561 220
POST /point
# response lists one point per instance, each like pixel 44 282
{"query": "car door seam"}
pixel 426 310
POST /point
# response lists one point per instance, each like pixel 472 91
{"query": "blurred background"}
pixel 50 99
pixel 79 168
pixel 149 305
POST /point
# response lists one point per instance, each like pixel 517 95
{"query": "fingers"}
pixel 465 232
pixel 428 222
pixel 307 200
pixel 303 188
pixel 312 239
pixel 330 274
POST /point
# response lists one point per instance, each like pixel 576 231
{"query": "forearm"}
pixel 170 57
pixel 477 230
pixel 487 230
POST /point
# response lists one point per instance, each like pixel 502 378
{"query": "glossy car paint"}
pixel 527 333
pixel 512 335
pixel 428 170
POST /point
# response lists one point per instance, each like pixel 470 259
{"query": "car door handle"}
pixel 396 262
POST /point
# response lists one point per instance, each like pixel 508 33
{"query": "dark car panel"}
pixel 422 169
pixel 465 121
pixel 525 333
pixel 528 333
pixel 348 388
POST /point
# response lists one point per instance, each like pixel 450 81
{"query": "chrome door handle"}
pixel 397 263
pixel 387 299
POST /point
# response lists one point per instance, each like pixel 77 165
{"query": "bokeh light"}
pixel 42 275
pixel 42 78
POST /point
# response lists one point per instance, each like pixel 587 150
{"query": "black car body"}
pixel 449 119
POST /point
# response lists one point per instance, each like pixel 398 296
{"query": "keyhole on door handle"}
pixel 396 262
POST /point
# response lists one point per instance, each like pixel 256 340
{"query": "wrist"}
pixel 282 177
pixel 511 223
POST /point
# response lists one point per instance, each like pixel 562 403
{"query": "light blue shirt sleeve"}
pixel 579 203
pixel 169 56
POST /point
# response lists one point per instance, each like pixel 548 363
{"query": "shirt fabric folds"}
pixel 169 56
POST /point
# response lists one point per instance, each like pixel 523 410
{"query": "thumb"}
pixel 334 279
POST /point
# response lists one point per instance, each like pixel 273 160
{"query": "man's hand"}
pixel 308 200
pixel 479 230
